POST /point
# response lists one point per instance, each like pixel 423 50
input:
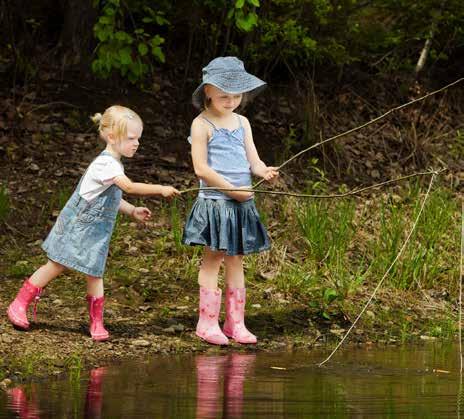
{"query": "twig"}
pixel 434 174
pixel 459 397
pixel 343 134
pixel 11 228
pixel 300 195
pixel 45 105
pixel 460 288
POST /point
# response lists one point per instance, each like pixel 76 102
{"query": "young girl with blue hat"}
pixel 80 238
pixel 226 223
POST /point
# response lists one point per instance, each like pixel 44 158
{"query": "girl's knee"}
pixel 233 260
pixel 55 266
pixel 94 278
pixel 213 257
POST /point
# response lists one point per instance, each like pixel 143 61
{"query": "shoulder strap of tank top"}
pixel 239 121
pixel 209 122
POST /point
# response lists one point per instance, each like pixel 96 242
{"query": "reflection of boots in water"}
pixel 238 367
pixel 94 396
pixel 18 402
pixel 210 370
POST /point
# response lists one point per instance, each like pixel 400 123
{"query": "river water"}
pixel 362 382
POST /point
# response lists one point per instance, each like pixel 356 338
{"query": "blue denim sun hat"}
pixel 229 75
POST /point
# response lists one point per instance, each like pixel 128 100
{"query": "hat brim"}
pixel 231 83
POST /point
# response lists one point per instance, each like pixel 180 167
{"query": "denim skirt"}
pixel 82 232
pixel 226 225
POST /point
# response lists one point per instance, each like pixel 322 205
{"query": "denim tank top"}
pixel 227 156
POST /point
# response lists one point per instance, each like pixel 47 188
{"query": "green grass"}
pixel 425 261
pixel 323 251
pixel 342 244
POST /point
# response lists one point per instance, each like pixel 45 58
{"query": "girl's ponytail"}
pixel 96 118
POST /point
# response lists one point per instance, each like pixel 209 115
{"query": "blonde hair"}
pixel 114 120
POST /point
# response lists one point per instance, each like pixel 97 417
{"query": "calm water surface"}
pixel 358 383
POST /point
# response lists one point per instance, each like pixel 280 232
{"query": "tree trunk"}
pixel 77 40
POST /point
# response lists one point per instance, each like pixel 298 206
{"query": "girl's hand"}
pixel 271 174
pixel 241 196
pixel 169 192
pixel 141 214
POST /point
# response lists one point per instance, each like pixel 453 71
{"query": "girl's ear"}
pixel 110 138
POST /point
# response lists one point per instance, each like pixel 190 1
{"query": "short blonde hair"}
pixel 114 120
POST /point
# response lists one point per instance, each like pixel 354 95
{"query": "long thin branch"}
pixel 460 288
pixel 386 273
pixel 343 134
pixel 300 195
pixel 46 105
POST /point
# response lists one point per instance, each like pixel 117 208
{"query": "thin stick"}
pixel 364 125
pixel 387 272
pixel 46 105
pixel 300 195
pixel 459 397
pixel 460 287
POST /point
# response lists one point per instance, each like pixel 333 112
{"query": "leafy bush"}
pixel 126 39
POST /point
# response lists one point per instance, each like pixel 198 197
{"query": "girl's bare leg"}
pixel 95 286
pixel 235 277
pixel 209 269
pixel 42 276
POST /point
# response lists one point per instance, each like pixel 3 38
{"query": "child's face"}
pixel 127 146
pixel 223 102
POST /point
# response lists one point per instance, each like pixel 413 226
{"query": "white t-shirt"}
pixel 100 176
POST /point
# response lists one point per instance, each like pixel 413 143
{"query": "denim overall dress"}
pixel 216 220
pixel 81 235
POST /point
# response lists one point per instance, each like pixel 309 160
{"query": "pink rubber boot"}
pixel 17 311
pixel 97 330
pixel 234 326
pixel 208 326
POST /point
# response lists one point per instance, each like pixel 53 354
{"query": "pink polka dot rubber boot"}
pixel 208 322
pixel 97 330
pixel 17 311
pixel 234 326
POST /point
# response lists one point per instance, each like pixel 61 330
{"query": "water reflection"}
pixel 362 383
pixel 25 407
pixel 94 395
pixel 221 378
pixel 24 401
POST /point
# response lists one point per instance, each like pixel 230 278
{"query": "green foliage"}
pixel 126 37
pixel 243 14
pixel 395 31
pixel 424 260
pixel 346 244
pixel 329 295
pixel 176 224
pixel 457 148
pixel 327 228
pixel 288 36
